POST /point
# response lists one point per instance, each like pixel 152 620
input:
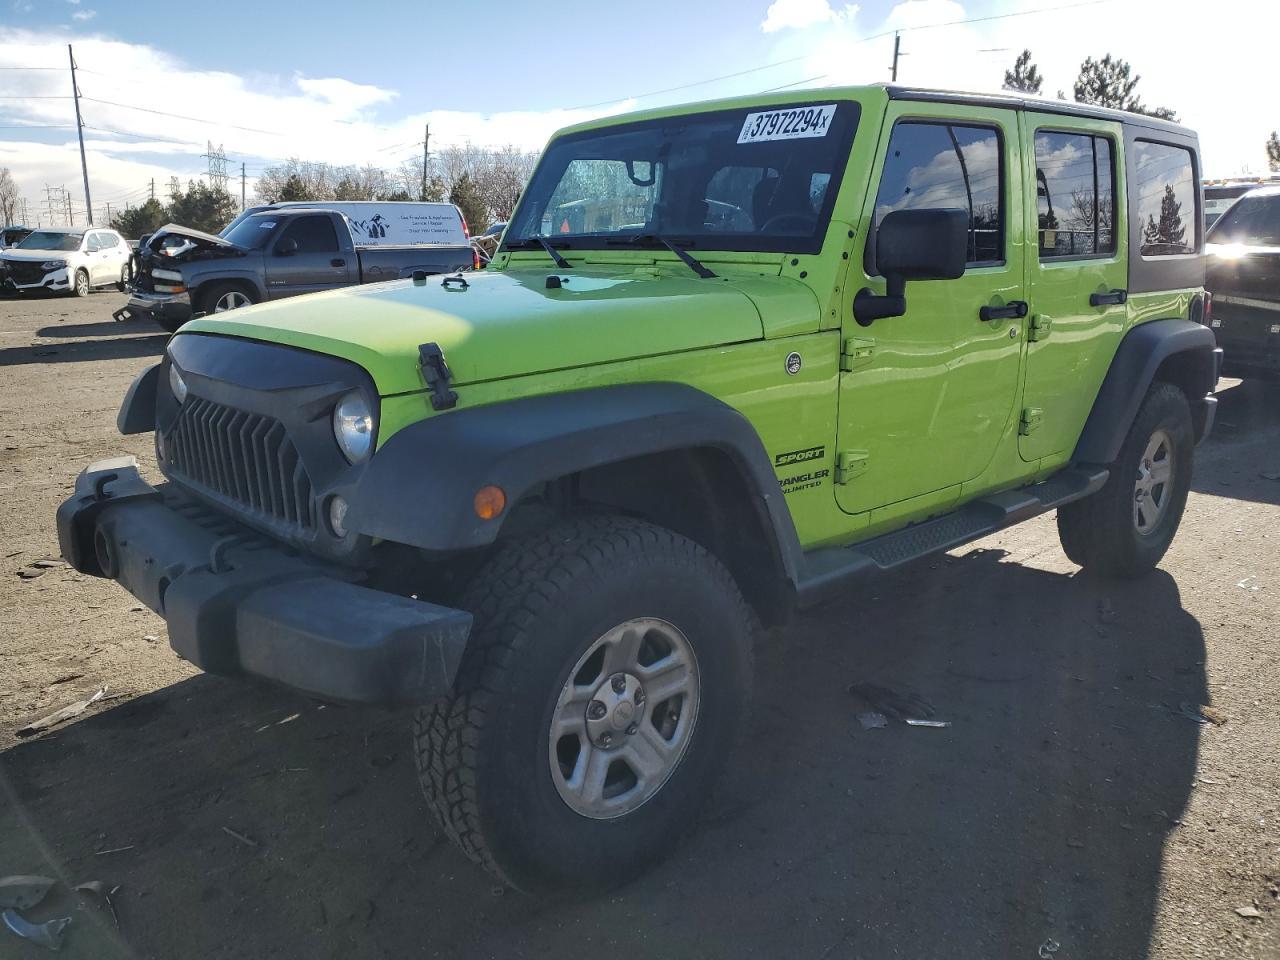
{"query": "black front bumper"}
pixel 237 604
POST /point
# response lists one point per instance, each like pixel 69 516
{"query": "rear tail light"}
pixel 475 259
pixel 466 231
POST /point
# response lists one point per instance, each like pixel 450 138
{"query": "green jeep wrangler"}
pixel 729 359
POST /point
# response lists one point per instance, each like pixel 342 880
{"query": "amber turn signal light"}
pixel 489 502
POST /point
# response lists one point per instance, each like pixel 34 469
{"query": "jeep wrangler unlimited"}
pixel 728 359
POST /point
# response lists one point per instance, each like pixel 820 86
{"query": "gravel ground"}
pixel 1069 804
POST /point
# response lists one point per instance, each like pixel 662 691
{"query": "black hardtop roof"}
pixel 1014 101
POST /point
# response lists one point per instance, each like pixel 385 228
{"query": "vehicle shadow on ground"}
pixel 1244 435
pixel 76 351
pixel 1041 813
pixel 104 328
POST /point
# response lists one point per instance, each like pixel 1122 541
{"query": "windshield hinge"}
pixel 856 352
pixel 437 375
pixel 1031 419
pixel 851 464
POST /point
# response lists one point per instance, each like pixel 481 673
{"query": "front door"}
pixel 307 257
pixel 1076 275
pixel 926 398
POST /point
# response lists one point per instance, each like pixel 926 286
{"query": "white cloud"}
pixel 84 14
pixel 1157 41
pixel 798 14
pixel 260 119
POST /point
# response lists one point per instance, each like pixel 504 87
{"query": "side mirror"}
pixel 287 247
pixel 930 244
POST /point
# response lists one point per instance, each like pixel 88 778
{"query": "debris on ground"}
pixel 1271 476
pixel 894 704
pixel 936 724
pixel 247 841
pixel 47 563
pixel 872 720
pixel 1244 584
pixel 22 891
pixel 59 716
pixel 45 934
pixel 1201 714
pixel 1048 949
pixel 1250 913
pixel 1106 612
pixel 99 889
pixel 103 853
pixel 27 573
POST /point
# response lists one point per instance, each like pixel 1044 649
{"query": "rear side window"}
pixel 1165 189
pixel 1074 197
pixel 1253 221
pixel 313 235
pixel 932 164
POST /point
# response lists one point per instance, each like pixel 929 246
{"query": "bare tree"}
pixel 8 197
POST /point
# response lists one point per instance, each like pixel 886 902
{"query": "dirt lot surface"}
pixel 1071 811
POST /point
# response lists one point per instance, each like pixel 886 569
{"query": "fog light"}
pixel 338 516
pixel 489 502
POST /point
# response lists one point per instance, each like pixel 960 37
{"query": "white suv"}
pixel 70 260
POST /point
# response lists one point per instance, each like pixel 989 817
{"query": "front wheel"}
pixel 221 297
pixel 1125 528
pixel 606 677
pixel 80 284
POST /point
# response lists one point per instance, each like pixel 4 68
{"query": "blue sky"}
pixel 352 82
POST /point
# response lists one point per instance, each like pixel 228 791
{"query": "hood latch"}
pixel 438 376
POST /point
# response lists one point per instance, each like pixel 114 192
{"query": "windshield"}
pixel 51 240
pixel 762 179
pixel 1253 221
pixel 252 232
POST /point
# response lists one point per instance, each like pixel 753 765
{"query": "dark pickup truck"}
pixel 183 273
pixel 1243 274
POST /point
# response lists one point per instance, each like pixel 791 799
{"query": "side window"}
pixel 932 164
pixel 1165 189
pixel 93 243
pixel 1074 196
pixel 313 235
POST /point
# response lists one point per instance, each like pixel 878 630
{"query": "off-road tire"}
pixel 1099 532
pixel 210 296
pixel 80 285
pixel 539 605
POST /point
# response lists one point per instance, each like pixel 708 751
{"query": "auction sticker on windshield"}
pixel 789 124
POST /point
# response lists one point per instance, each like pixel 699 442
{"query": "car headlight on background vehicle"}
pixel 168 281
pixel 177 384
pixel 53 265
pixel 353 426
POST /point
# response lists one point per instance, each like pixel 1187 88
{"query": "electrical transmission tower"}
pixel 55 206
pixel 217 167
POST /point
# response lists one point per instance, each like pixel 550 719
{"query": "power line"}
pixel 177 116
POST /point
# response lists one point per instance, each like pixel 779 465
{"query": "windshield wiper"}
pixel 649 239
pixel 545 244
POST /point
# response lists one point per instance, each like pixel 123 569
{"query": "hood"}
pixel 509 323
pixel 179 243
pixel 9 253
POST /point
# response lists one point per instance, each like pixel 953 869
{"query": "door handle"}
pixel 1013 310
pixel 1108 299
pixel 337 262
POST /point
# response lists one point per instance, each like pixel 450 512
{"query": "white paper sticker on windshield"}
pixel 267 225
pixel 793 123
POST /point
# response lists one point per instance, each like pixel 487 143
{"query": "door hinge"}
pixel 856 352
pixel 1031 417
pixel 851 464
pixel 1039 327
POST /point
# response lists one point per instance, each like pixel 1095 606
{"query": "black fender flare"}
pixel 138 410
pixel 1133 368
pixel 419 487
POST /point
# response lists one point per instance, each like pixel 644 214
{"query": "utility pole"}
pixel 242 204
pixel 897 43
pixel 426 156
pixel 108 213
pixel 84 166
pixel 71 214
pixel 153 188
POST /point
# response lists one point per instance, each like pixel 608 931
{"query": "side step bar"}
pixel 828 571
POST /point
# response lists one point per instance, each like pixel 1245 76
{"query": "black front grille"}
pixel 24 271
pixel 244 457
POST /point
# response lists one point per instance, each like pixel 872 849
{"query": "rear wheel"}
pixel 123 283
pixel 605 679
pixel 1125 528
pixel 80 283
pixel 221 297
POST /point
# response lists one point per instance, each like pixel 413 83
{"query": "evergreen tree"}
pixel 1025 75
pixel 137 221
pixel 1273 152
pixel 1110 82
pixel 466 198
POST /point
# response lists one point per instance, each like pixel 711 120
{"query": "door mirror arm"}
pixel 869 306
pixel 929 244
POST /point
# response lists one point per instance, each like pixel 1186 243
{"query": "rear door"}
pixel 93 256
pixel 308 256
pixel 926 398
pixel 1077 275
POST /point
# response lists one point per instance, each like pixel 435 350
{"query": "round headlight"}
pixel 353 426
pixel 177 384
